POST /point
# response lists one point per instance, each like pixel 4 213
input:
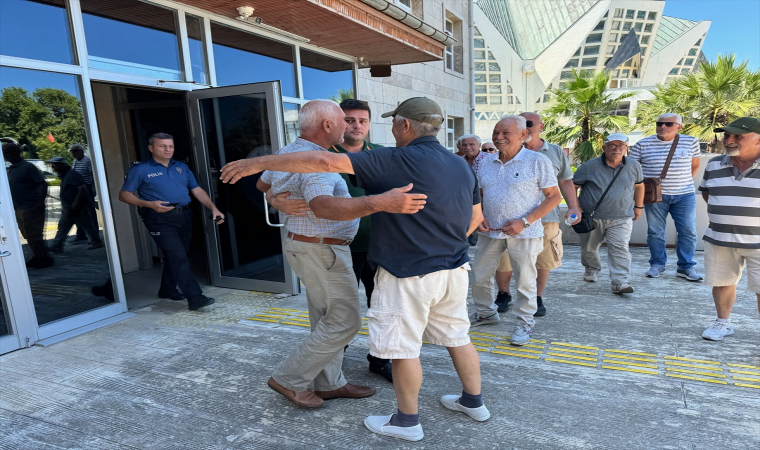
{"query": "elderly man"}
pixel 422 278
pixel 469 144
pixel 730 187
pixel 488 147
pixel 551 256
pixel 513 182
pixel 614 215
pixel 678 197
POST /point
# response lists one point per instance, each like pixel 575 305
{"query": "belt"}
pixel 316 240
pixel 176 210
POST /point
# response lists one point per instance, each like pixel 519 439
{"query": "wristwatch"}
pixel 525 221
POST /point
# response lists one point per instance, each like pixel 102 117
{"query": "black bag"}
pixel 587 223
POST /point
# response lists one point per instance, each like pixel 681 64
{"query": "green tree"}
pixel 582 114
pixel 343 94
pixel 30 118
pixel 711 96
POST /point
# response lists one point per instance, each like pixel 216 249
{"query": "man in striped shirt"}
pixel 678 197
pixel 731 188
pixel 83 166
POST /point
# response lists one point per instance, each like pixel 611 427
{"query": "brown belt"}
pixel 316 240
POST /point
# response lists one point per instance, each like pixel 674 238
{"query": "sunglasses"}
pixel 665 124
pixel 529 123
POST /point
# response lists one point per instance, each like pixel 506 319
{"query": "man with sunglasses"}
pixel 678 198
pixel 488 147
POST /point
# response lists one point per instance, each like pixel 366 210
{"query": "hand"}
pixel 216 213
pixel 397 201
pixel 637 213
pixel 513 227
pixel 291 207
pixel 158 206
pixel 236 170
pixel 483 227
pixel 571 211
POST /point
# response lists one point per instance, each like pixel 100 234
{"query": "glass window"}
pixel 648 27
pixel 45 36
pixel 644 39
pixel 673 71
pixel 292 125
pixel 624 73
pixel 652 15
pixel 589 62
pixel 481 100
pixel 406 4
pixel 616 25
pixel 593 50
pixel 509 89
pixel 618 13
pixel 599 26
pixel 693 52
pixel 326 77
pixel 697 43
pixel 494 78
pixel 480 43
pixel 689 61
pixel 547 97
pixel 571 63
pixel 638 26
pixel 641 14
pixel 480 54
pixel 610 49
pixel 510 100
pixel 594 38
pixel 197 49
pixel 242 57
pixel 494 89
pixel 480 66
pixel 480 88
pixel 577 52
pixel 630 13
pixel 629 63
pixel 566 76
pixel 477 32
pixel 135 38
pixel 495 100
pixel 613 37
pixel 680 61
pixel 643 51
pixel 685 70
pixel 615 73
pixel 494 67
pixel 627 26
pixel 47 119
pixel 491 57
pixel 563 85
pixel 480 78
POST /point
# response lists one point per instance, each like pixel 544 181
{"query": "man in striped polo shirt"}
pixel 731 188
pixel 678 197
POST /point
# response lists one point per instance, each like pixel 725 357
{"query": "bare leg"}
pixel 541 280
pixel 502 280
pixel 467 365
pixel 407 380
pixel 724 298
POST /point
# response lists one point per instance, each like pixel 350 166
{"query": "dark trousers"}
pixel 31 223
pixel 89 211
pixel 172 233
pixel 67 220
pixel 366 275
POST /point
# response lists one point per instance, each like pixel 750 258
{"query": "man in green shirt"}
pixel 358 116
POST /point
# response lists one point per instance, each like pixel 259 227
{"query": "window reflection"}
pixel 326 77
pixel 197 52
pixel 5 323
pixel 45 36
pixel 242 58
pixel 292 126
pixel 43 119
pixel 131 37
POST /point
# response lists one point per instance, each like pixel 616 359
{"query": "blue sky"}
pixel 735 26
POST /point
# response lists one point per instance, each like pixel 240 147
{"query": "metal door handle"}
pixel 4 253
pixel 266 213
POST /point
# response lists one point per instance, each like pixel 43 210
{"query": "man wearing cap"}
pixel 160 187
pixel 731 188
pixel 421 280
pixel 74 200
pixel 678 198
pixel 83 166
pixel 614 216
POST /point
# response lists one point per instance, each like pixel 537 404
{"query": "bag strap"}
pixel 608 188
pixel 670 157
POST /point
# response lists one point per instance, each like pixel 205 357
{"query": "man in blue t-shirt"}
pixel 422 281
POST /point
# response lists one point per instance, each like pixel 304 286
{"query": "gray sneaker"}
pixel 521 335
pixel 589 275
pixel 655 271
pixel 690 274
pixel 477 320
pixel 622 288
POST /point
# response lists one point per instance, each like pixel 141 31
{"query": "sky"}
pixel 735 26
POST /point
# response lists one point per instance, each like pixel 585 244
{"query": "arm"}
pixel 131 199
pixel 568 193
pixel 281 202
pixel 203 197
pixel 81 198
pixel 477 220
pixel 515 227
pixel 694 166
pixel 300 162
pixel 706 196
pixel 638 200
pixel 483 227
pixel 395 201
pixel 42 188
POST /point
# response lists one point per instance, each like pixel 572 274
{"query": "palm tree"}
pixel 583 113
pixel 712 96
pixel 343 94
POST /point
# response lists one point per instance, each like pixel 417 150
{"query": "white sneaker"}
pixel 521 335
pixel 481 413
pixel 476 319
pixel 589 276
pixel 382 425
pixel 718 331
pixel 654 271
pixel 622 288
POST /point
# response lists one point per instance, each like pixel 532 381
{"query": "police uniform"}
pixel 171 230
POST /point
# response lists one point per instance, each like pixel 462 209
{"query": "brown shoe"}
pixel 307 399
pixel 347 391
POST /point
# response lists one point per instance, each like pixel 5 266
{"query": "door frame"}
pixel 273 95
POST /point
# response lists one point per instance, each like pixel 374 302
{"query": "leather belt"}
pixel 316 240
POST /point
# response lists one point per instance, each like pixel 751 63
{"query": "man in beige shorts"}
pixel 551 256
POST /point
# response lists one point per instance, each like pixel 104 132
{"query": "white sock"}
pixel 719 320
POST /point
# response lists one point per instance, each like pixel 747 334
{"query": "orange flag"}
pixel 50 137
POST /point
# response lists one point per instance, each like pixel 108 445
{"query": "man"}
pixel 488 147
pixel 74 198
pixel 358 117
pixel 83 166
pixel 469 145
pixel 28 192
pixel 513 182
pixel 730 187
pixel 678 197
pixel 550 257
pixel 614 216
pixel 422 282
pixel 160 187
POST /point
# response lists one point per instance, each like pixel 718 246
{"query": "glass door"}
pixel 232 123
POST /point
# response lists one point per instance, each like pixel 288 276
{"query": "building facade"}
pixel 524 49
pixel 227 82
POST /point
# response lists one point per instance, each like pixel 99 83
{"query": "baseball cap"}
pixel 616 137
pixel 741 125
pixel 420 109
pixel 57 159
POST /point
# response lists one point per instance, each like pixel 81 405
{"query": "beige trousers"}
pixel 618 235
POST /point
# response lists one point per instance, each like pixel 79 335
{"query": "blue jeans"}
pixel 683 210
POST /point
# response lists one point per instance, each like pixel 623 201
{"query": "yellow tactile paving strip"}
pixel 639 363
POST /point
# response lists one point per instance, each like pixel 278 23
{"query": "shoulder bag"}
pixel 653 185
pixel 587 218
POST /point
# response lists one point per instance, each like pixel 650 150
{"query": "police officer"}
pixel 162 186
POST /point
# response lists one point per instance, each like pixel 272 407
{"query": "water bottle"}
pixel 569 221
